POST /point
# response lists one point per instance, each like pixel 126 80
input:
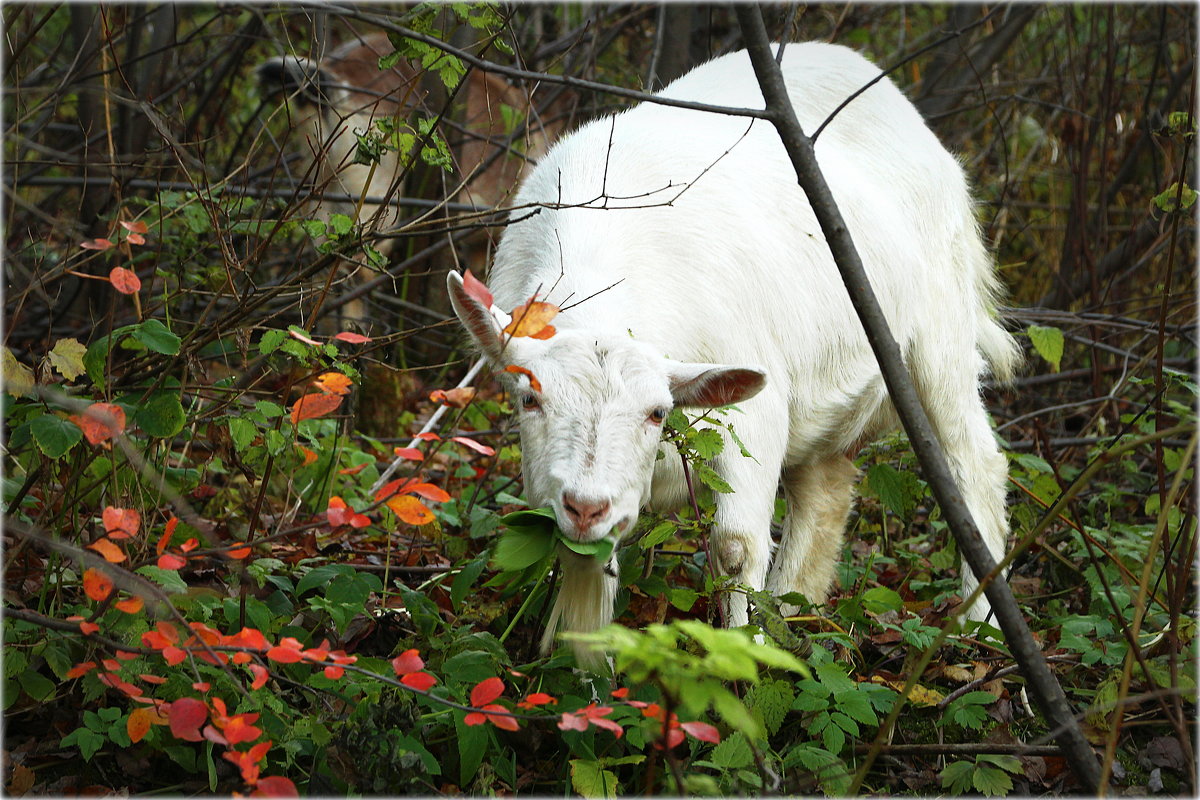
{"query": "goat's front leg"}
pixel 741 538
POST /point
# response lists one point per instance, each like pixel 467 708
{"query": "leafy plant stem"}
pixel 524 605
pixel 1139 612
pixel 708 562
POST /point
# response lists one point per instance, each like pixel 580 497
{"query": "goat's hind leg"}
pixel 819 498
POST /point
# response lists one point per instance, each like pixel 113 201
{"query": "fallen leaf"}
pixel 455 398
pixel 121 523
pixel 530 319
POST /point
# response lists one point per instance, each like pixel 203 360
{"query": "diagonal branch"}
pixel 1042 683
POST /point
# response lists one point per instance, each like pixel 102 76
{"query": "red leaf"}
pixel 702 731
pixel 621 693
pixel 422 681
pixel 538 699
pixel 474 445
pixel 408 661
pixel 334 672
pixel 260 676
pixel 477 289
pixel 474 718
pixel 100 421
pixel 97 244
pixel 185 716
pixel 174 655
pixel 121 523
pixel 124 280
pixel 97 585
pixel 157 680
pixel 170 561
pixel 239 551
pixel 411 453
pixel 135 238
pixel 534 383
pixel 313 405
pixel 504 719
pixel 427 436
pixel 88 628
pixel 486 691
pixel 135 227
pixel 352 338
pixel 285 652
pixel 274 786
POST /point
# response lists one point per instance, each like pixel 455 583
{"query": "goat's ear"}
pixel 288 74
pixel 475 317
pixel 711 385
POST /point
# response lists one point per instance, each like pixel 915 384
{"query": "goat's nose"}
pixel 584 513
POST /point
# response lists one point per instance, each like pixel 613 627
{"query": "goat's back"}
pixel 723 257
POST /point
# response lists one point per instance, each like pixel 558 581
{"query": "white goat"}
pixel 696 250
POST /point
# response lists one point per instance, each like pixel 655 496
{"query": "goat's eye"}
pixel 530 402
pixel 657 416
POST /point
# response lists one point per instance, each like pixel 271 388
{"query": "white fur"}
pixel 717 259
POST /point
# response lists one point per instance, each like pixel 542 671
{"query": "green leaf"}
pixel 707 443
pixel 169 579
pixel 857 705
pixel 770 701
pixel 1168 200
pixel 733 752
pixel 54 435
pixel 590 779
pixel 600 548
pixel 880 599
pixel 520 547
pixel 155 336
pixel 957 776
pixel 87 740
pixel 472 746
pixel 340 224
pixel 833 677
pixel 36 685
pixel 1048 342
pixel 830 770
pixel 709 477
pixel 242 431
pixel 658 534
pixel 464 580
pixel 322 576
pixel 991 782
pixel 271 340
pixel 898 491
pixel 162 415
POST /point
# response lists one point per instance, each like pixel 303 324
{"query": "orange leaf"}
pixel 130 605
pixel 352 338
pixel 411 453
pixel 121 523
pixel 477 289
pixel 531 318
pixel 88 628
pixel 352 470
pixel 135 238
pixel 100 421
pixel 238 553
pixel 124 280
pixel 167 534
pixel 97 585
pixel 334 383
pixel 410 510
pixel 455 398
pixel 309 455
pixel 135 227
pixel 81 669
pixel 314 405
pixel 428 436
pixel 544 333
pixel 274 786
pixel 112 553
pixel 408 661
pixel 138 725
pixel 486 691
pixel 534 383
pixel 97 244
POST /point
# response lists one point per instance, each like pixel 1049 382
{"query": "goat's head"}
pixel 592 408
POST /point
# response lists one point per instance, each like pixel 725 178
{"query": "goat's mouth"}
pixel 594 533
